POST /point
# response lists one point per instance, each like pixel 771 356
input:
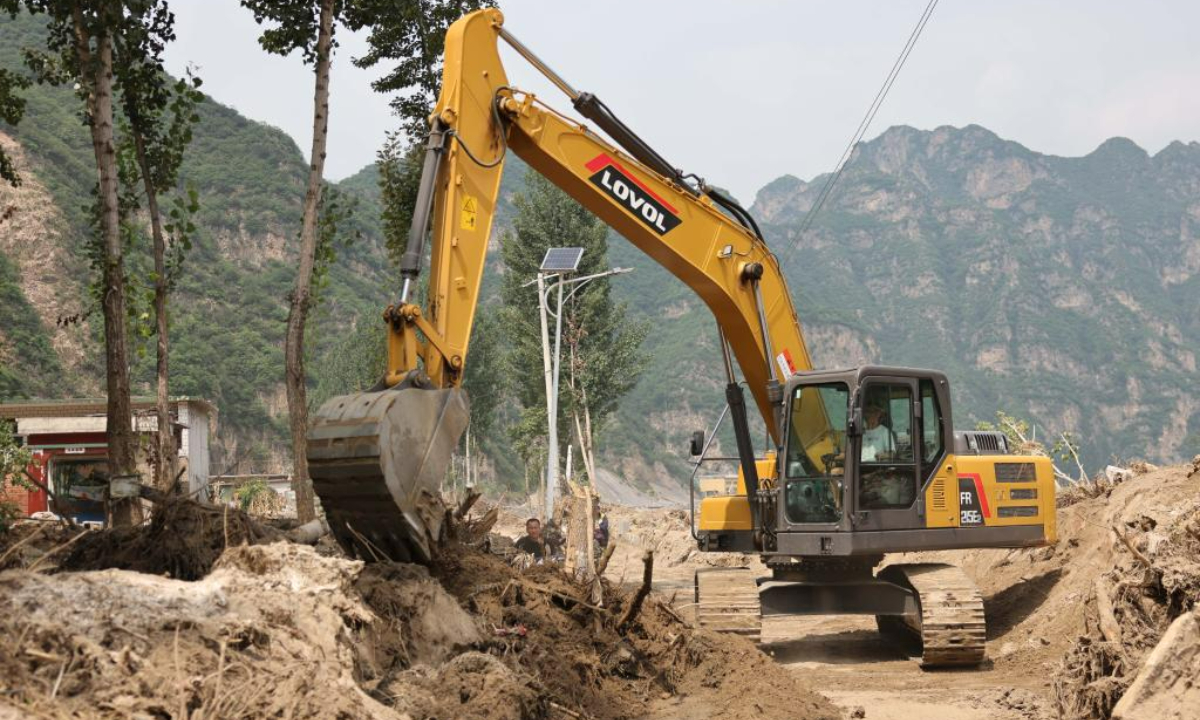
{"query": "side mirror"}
pixel 856 421
pixel 697 443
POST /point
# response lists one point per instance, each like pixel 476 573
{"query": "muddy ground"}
pixel 1039 604
pixel 210 627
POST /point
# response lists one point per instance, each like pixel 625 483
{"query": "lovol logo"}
pixel 634 196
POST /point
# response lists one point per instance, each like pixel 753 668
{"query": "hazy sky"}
pixel 742 92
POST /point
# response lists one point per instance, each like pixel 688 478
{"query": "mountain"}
pixel 1065 290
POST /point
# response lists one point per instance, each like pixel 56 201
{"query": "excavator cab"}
pixel 869 465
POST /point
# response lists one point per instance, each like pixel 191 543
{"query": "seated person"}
pixel 878 440
pixel 531 543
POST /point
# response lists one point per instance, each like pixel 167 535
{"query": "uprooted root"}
pixel 183 539
pixel 1128 614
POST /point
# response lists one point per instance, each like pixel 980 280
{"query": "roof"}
pixel 82 407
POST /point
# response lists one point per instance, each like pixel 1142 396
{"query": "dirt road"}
pixel 847 661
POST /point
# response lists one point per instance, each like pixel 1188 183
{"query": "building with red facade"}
pixel 69 442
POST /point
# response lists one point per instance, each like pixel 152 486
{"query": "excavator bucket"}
pixel 377 460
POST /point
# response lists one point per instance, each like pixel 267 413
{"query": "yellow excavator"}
pixel 863 461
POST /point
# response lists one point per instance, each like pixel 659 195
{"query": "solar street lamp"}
pixel 560 263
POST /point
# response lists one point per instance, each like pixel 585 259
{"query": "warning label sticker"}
pixel 786 367
pixel 469 212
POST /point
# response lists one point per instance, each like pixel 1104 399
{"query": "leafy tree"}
pixel 159 117
pixel 83 36
pixel 14 461
pixel 602 361
pixel 484 376
pixel 412 35
pixel 307 27
pixel 12 107
pixel 399 164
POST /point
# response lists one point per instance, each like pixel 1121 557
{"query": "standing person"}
pixel 600 535
pixel 531 543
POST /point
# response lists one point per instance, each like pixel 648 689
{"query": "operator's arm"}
pixel 675 225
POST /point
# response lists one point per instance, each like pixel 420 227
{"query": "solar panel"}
pixel 562 260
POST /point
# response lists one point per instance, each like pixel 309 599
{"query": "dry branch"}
pixel 602 565
pixel 1109 627
pixel 1129 544
pixel 643 591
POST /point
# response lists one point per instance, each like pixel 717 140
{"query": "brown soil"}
pixel 279 630
pixel 183 540
pixel 657 667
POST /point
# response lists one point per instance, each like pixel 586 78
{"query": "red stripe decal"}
pixel 603 159
pixel 987 511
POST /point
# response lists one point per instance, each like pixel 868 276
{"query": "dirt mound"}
pixel 266 634
pixel 1153 582
pixel 586 662
pixel 278 630
pixel 1166 687
pixel 183 540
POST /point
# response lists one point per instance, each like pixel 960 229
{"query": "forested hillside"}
pixel 1066 290
pixel 229 311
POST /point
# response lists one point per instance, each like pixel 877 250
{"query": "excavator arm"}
pixel 377 458
pixel 477 120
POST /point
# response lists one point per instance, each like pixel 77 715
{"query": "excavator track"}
pixel 950 623
pixel 727 601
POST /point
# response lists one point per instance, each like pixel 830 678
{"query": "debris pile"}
pixel 266 634
pixel 1140 653
pixel 183 540
pixel 280 630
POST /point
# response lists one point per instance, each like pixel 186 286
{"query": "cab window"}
pixel 815 459
pixel 931 430
pixel 887 457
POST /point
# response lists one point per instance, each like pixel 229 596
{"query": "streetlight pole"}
pixel 551 414
pixel 553 376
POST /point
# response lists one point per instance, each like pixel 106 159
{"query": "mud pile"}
pixel 1139 655
pixel 278 630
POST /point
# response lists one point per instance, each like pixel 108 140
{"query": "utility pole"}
pixel 550 472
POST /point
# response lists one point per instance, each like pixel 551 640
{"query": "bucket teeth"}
pixel 377 460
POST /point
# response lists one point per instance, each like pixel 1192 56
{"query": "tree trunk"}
pixel 297 395
pixel 165 445
pixel 98 73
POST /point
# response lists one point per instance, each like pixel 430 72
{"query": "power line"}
pixel 863 126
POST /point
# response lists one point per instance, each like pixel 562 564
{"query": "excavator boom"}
pixel 478 119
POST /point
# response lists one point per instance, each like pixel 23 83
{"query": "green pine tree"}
pixel 601 358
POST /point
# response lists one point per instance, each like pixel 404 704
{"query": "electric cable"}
pixel 865 124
